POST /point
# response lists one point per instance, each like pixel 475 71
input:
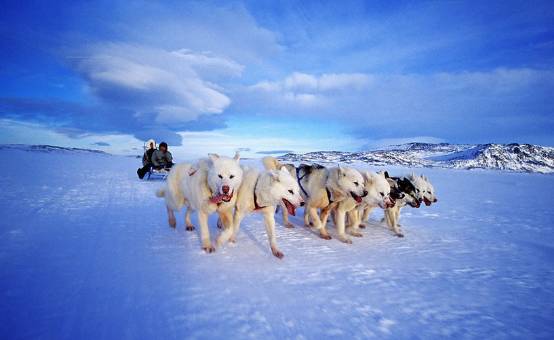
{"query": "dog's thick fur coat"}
pixel 207 187
pixel 272 163
pixel 324 188
pixel 263 192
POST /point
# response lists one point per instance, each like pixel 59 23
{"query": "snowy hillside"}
pixel 47 148
pixel 514 157
pixel 86 253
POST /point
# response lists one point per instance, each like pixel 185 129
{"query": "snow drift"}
pixel 86 252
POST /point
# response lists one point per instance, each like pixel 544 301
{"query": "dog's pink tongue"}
pixel 217 199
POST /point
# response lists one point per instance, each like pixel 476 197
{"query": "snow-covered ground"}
pixel 86 252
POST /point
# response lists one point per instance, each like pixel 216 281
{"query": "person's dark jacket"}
pixel 161 159
pixel 147 157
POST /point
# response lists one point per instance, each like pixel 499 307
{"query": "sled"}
pixel 155 174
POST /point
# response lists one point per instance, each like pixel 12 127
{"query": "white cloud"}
pixel 303 82
pixel 414 100
pixel 311 90
pixel 169 84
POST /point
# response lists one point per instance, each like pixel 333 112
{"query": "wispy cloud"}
pixel 442 105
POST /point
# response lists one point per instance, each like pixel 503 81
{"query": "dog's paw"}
pixel 172 223
pixel 362 226
pixel 277 253
pixel 189 228
pixel 345 239
pixel 289 225
pixel 399 234
pixel 356 234
pixel 325 236
pixel 208 249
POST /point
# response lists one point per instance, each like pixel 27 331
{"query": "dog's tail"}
pixel 172 191
pixel 271 163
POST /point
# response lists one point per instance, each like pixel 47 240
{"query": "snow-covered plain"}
pixel 86 252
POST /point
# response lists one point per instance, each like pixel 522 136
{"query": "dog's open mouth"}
pixel 290 207
pixel 427 202
pixel 415 204
pixel 221 198
pixel 357 198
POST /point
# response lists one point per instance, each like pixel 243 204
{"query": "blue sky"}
pixel 264 76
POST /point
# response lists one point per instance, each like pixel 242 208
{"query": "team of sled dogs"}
pixel 221 185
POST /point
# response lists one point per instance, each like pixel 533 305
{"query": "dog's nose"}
pixel 435 200
pixel 302 204
pixel 365 193
pixel 225 189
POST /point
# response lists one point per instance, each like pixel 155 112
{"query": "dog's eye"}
pixel 417 190
pixel 291 192
pixel 356 183
pixel 232 176
pixel 382 194
pixel 219 176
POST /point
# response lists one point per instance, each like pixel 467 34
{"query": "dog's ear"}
pixel 274 175
pixel 368 177
pixel 237 156
pixel 284 170
pixel 213 156
pixel 386 174
pixel 340 170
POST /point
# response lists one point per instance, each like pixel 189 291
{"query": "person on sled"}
pixel 147 159
pixel 162 158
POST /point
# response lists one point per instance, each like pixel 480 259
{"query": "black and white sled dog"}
pixel 407 195
pixel 415 190
pixel 208 187
pixel 263 192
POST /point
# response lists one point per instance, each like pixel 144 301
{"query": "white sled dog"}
pixel 263 192
pixel 378 195
pixel 324 188
pixel 380 181
pixel 208 187
pixel 424 189
pixel 272 163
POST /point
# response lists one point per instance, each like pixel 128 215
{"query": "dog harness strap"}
pixel 329 195
pixel 300 182
pixel 256 206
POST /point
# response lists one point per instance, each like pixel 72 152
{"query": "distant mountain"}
pixel 48 148
pixel 512 157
